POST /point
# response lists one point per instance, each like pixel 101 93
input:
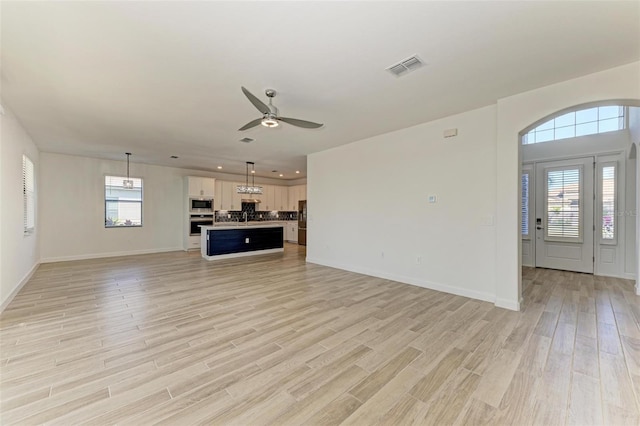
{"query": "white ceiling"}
pixel 163 78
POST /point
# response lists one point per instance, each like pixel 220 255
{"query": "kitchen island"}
pixel 241 239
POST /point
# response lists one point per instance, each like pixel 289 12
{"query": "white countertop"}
pixel 242 225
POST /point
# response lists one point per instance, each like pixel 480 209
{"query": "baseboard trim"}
pixel 508 304
pixel 16 290
pixel 445 288
pixel 111 254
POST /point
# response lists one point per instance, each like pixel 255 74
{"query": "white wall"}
pixel 19 253
pixel 514 114
pixel 368 209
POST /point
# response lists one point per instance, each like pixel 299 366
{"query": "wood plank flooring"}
pixel 173 339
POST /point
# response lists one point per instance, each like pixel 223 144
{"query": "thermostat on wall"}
pixel 432 199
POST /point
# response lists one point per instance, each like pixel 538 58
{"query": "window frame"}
pixel 623 119
pixel 141 202
pixel 600 200
pixel 28 197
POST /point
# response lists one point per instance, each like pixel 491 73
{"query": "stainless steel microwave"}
pixel 200 205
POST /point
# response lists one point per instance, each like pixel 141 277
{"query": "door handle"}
pixel 539 227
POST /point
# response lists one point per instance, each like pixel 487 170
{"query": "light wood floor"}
pixel 173 339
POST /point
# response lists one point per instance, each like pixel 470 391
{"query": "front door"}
pixel 564 215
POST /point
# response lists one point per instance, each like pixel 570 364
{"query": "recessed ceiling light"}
pixel 281 175
pixel 297 172
pixel 246 140
pixel 253 171
pixel 174 156
pixel 219 167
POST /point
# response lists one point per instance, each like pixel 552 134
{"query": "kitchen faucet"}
pixel 245 217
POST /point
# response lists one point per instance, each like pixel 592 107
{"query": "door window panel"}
pixel 563 204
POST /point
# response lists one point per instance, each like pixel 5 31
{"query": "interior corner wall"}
pixel 19 253
pixel 514 114
pixel 368 208
pixel 634 136
pixel 72 209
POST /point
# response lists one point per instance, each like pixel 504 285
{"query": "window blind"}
pixel 524 225
pixel 608 202
pixel 564 203
pixel 28 191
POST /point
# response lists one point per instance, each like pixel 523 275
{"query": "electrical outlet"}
pixel 246 240
pixel 229 216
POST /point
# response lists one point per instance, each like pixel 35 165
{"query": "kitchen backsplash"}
pixel 253 214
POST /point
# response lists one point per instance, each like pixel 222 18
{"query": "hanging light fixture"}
pixel 127 183
pixel 246 188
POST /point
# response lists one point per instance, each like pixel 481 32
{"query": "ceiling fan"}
pixel 270 117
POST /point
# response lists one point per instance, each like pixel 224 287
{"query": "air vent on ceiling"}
pixel 406 66
pixel 246 140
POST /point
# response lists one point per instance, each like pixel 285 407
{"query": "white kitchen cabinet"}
pixel 217 201
pixel 274 198
pixel 229 197
pixel 293 198
pixel 291 232
pixel 268 198
pixel 281 198
pixel 296 193
pixel 200 186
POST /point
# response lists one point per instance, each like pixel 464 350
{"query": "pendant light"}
pixel 127 183
pixel 246 188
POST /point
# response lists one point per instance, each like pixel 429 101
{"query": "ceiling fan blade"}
pixel 300 123
pixel 262 107
pixel 251 124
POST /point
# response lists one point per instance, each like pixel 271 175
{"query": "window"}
pixel 578 123
pixel 524 226
pixel 608 200
pixel 122 206
pixel 28 195
pixel 563 204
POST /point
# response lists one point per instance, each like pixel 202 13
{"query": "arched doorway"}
pixel 575 216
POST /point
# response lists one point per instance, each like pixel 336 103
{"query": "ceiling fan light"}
pixel 269 122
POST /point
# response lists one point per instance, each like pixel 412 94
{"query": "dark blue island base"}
pixel 226 242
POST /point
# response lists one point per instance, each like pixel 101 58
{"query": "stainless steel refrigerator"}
pixel 302 222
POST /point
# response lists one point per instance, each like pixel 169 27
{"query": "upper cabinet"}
pixel 281 198
pixel 200 186
pixel 228 198
pixel 296 193
pixel 273 197
pixel 268 198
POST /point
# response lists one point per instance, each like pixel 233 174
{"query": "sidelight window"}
pixel 122 205
pixel 524 225
pixel 28 195
pixel 608 202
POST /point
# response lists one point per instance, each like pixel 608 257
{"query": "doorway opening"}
pixel 579 197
